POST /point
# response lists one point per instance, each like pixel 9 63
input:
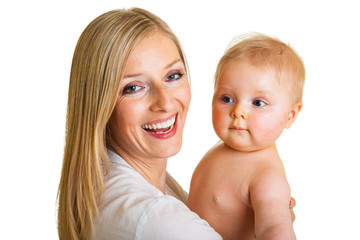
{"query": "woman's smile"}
pixel 161 128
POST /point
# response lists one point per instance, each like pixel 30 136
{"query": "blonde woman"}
pixel 128 99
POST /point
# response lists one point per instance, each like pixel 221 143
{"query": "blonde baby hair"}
pixel 266 52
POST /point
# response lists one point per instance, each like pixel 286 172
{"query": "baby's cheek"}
pixel 220 126
pixel 269 130
pixel 218 118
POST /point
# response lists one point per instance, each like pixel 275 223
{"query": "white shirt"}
pixel 132 208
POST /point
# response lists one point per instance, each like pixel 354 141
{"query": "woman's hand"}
pixel 292 204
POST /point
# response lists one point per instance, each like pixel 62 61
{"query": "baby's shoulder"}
pixel 268 180
pixel 220 151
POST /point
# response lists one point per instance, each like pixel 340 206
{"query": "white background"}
pixel 320 151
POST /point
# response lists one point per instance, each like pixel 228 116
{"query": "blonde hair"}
pixel 99 60
pixel 263 51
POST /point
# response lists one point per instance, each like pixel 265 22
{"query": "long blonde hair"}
pixel 98 64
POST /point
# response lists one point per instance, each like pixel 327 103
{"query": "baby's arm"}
pixel 270 195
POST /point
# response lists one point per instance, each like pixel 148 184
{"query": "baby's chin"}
pixel 248 148
pixel 241 147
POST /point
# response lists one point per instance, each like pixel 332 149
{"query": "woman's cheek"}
pixel 184 94
pixel 131 109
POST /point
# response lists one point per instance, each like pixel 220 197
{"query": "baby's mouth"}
pixel 161 127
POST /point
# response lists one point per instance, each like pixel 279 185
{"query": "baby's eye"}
pixel 174 76
pixel 227 99
pixel 131 89
pixel 258 103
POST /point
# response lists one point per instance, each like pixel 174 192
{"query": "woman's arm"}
pixel 291 207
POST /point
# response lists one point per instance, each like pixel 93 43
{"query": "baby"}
pixel 240 186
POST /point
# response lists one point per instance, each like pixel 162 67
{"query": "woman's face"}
pixel 154 98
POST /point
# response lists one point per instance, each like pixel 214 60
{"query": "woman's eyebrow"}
pixel 166 67
pixel 173 63
pixel 132 75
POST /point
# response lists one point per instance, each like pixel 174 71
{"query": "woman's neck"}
pixel 152 170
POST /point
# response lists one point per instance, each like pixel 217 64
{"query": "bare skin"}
pixel 240 186
pixel 237 184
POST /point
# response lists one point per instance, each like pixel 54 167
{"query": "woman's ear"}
pixel 293 114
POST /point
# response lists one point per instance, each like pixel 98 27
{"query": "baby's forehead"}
pixel 241 65
pixel 274 78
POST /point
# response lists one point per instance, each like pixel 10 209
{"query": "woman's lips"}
pixel 161 128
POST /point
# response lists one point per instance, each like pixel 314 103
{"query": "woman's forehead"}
pixel 155 50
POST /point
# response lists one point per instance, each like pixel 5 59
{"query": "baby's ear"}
pixel 293 114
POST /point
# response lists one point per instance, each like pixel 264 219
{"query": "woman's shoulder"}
pixel 126 199
pixel 174 189
pixel 131 208
pixel 132 211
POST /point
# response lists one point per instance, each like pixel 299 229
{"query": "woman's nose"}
pixel 161 99
pixel 239 112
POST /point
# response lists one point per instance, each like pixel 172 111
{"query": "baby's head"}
pixel 267 53
pixel 258 92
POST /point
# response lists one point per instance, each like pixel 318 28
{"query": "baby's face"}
pixel 250 107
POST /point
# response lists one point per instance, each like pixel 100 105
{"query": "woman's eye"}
pixel 131 89
pixel 227 99
pixel 174 76
pixel 259 103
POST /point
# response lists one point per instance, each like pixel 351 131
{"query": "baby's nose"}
pixel 239 112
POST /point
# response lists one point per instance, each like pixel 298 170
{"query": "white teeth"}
pixel 166 124
pixel 165 131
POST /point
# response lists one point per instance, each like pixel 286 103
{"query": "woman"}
pixel 128 96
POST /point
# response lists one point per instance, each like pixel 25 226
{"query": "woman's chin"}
pixel 169 152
